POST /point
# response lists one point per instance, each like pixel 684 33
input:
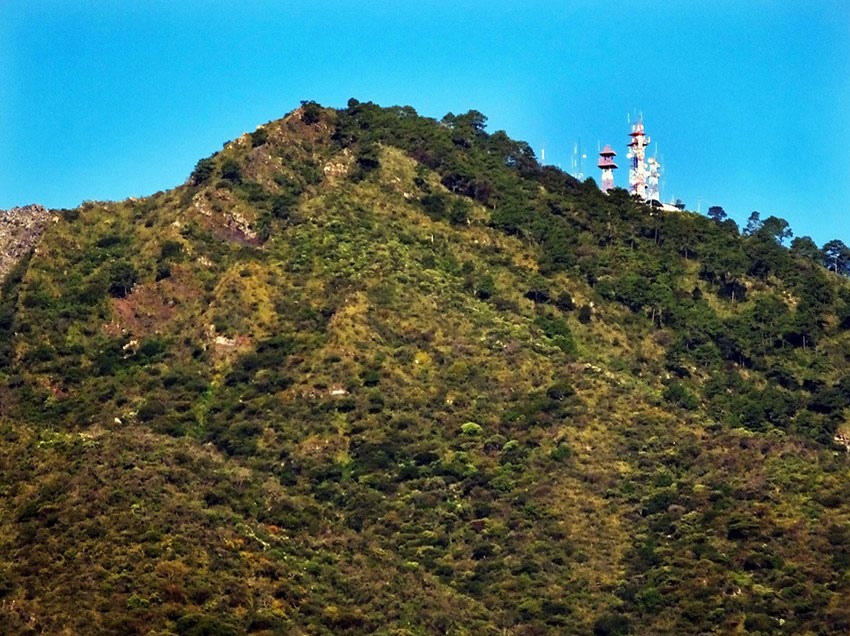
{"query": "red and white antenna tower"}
pixel 636 154
pixel 606 162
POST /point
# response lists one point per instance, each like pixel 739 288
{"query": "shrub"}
pixel 435 204
pixel 485 287
pixel 471 429
pixel 459 212
pixel 283 204
pixel 760 623
pixel 150 348
pixel 231 171
pixel 677 394
pixel 538 291
pixel 558 331
pixel 611 625
pixel 368 158
pixel 170 249
pixel 259 137
pixel 371 377
pixel 110 240
pixel 151 410
pixel 561 452
pixel 560 390
pixel 197 625
pixel 565 302
pixel 310 113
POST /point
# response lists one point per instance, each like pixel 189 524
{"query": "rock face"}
pixel 20 229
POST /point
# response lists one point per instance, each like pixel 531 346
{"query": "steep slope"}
pixel 370 373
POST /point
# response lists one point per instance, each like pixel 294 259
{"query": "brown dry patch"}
pixel 151 306
pixel 142 312
pixel 321 448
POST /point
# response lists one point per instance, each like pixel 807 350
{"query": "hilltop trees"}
pixel 753 223
pixel 805 247
pixel 837 256
pixel 717 214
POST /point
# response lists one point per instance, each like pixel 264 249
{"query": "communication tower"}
pixel 652 179
pixel 578 161
pixel 606 163
pixel 637 165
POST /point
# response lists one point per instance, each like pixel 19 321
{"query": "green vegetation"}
pixel 367 372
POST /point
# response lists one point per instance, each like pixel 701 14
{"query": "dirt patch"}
pixel 149 307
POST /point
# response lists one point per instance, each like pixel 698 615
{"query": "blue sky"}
pixel 749 101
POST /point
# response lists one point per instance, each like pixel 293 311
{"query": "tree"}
pixel 472 119
pixel 204 169
pixel 122 277
pixel 753 224
pixel 805 247
pixel 310 112
pixel 259 137
pixel 776 228
pixel 717 214
pixel 836 256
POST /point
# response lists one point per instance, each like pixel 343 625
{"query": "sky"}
pixel 747 103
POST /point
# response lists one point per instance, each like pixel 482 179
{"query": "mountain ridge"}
pixel 367 372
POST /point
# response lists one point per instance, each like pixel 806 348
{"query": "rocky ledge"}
pixel 20 229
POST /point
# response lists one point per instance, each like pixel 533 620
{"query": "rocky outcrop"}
pixel 20 229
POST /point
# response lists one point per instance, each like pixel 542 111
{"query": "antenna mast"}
pixel 637 164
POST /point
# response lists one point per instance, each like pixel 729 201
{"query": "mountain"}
pixel 367 372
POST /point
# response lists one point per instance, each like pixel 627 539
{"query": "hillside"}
pixel 367 372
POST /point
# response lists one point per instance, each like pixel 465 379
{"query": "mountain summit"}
pixel 367 372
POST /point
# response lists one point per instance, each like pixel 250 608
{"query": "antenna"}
pixel 577 163
pixel 580 162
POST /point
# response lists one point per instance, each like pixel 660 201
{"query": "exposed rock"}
pixel 337 390
pixel 20 229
